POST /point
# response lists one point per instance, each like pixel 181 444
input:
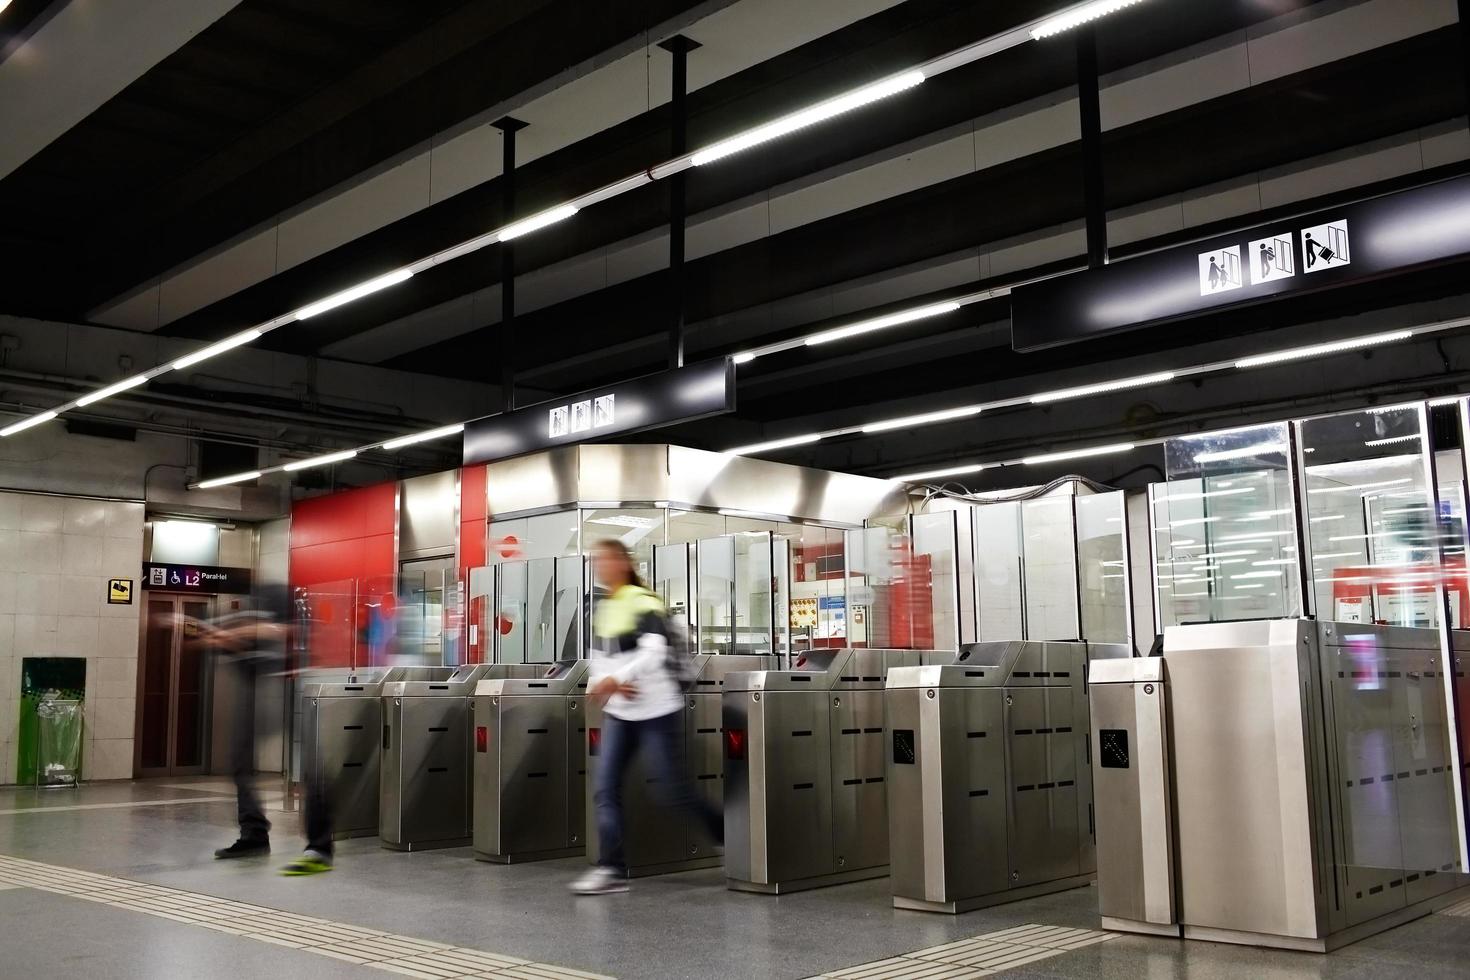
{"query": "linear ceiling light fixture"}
pixel 1077 16
pixel 112 389
pixel 325 460
pixel 353 293
pixel 1316 350
pixel 229 343
pixel 27 423
pixel 222 481
pixel 417 437
pixel 1082 391
pixel 761 447
pixel 928 418
pixel 802 118
pixel 1117 447
pixel 536 222
pixel 935 474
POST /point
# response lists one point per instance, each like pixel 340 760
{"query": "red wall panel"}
pixel 348 538
pixel 472 506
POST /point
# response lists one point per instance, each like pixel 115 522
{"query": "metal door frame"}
pixel 206 690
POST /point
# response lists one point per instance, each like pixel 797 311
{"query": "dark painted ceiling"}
pixel 283 99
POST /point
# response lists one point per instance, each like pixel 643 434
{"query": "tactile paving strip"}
pixel 354 944
pixel 981 956
pixel 1459 910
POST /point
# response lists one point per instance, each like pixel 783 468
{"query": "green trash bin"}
pixel 58 741
pixel 50 747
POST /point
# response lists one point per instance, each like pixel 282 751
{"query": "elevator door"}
pixel 173 685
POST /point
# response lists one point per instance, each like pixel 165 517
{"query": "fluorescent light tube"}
pixel 229 343
pixel 1234 491
pixel 1315 350
pixel 934 474
pixel 302 464
pixel 221 481
pixel 750 514
pixel 417 437
pixel 1193 520
pixel 1244 452
pixel 1077 16
pixel 111 390
pixel 356 292
pixel 536 222
pixel 761 447
pixel 879 323
pixel 1083 390
pixel 1121 447
pixel 1272 573
pixel 803 118
pixel 24 424
pixel 926 418
pixel 1357 487
pixel 1391 440
pixel 745 357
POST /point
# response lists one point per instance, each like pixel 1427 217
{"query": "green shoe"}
pixel 309 863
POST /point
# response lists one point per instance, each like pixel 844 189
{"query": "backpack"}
pixel 681 652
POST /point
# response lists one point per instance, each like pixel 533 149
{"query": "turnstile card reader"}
pixel 657 839
pixel 1135 835
pixel 342 741
pixel 530 765
pixel 425 800
pixel 988 776
pixel 805 799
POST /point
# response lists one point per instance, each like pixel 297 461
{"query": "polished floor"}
pixel 116 880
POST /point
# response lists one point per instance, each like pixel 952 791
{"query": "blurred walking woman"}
pixel 636 672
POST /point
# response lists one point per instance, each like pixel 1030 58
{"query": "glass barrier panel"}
pixel 998 568
pixel 510 626
pixel 480 616
pixel 716 611
pixel 1224 528
pixel 326 618
pixel 540 610
pixel 934 581
pixel 754 593
pixel 671 581
pixel 572 613
pixel 1372 525
pixel 1102 566
pixel 1050 565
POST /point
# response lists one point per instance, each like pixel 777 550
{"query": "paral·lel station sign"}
pixel 681 395
pixel 1393 233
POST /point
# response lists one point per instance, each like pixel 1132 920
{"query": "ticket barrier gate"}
pixel 989 755
pixel 658 839
pixel 425 799
pixel 530 765
pixel 805 798
pixel 1300 774
pixel 341 741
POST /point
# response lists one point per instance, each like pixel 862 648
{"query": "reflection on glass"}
pixel 998 569
pixel 1102 567
pixel 716 619
pixel 1373 528
pixel 479 616
pixel 754 593
pixel 1224 530
pixel 1048 539
pixel 510 590
pixel 569 619
pixel 894 566
pixel 540 622
pixel 817 601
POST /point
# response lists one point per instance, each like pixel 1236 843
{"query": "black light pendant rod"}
pixel 679 47
pixel 1090 116
pixel 508 128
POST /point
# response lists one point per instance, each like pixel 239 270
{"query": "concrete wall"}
pixel 56 554
pixel 271 564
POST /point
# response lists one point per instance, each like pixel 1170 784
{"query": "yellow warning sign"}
pixel 120 592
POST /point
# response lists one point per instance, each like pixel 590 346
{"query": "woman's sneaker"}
pixel 600 881
pixel 310 863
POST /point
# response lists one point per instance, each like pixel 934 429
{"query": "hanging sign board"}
pixel 1393 233
pixel 209 579
pixel 682 395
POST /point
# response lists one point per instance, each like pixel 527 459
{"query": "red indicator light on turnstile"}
pixel 735 743
pixel 482 738
pixel 594 740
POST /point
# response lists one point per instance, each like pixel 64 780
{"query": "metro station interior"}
pixel 853 489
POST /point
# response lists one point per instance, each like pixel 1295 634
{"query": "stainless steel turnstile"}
pixel 530 764
pixel 425 799
pixel 342 741
pixel 989 775
pixel 1312 778
pixel 659 840
pixel 1135 815
pixel 805 799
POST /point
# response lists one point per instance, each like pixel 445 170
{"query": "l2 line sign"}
pixel 1396 232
